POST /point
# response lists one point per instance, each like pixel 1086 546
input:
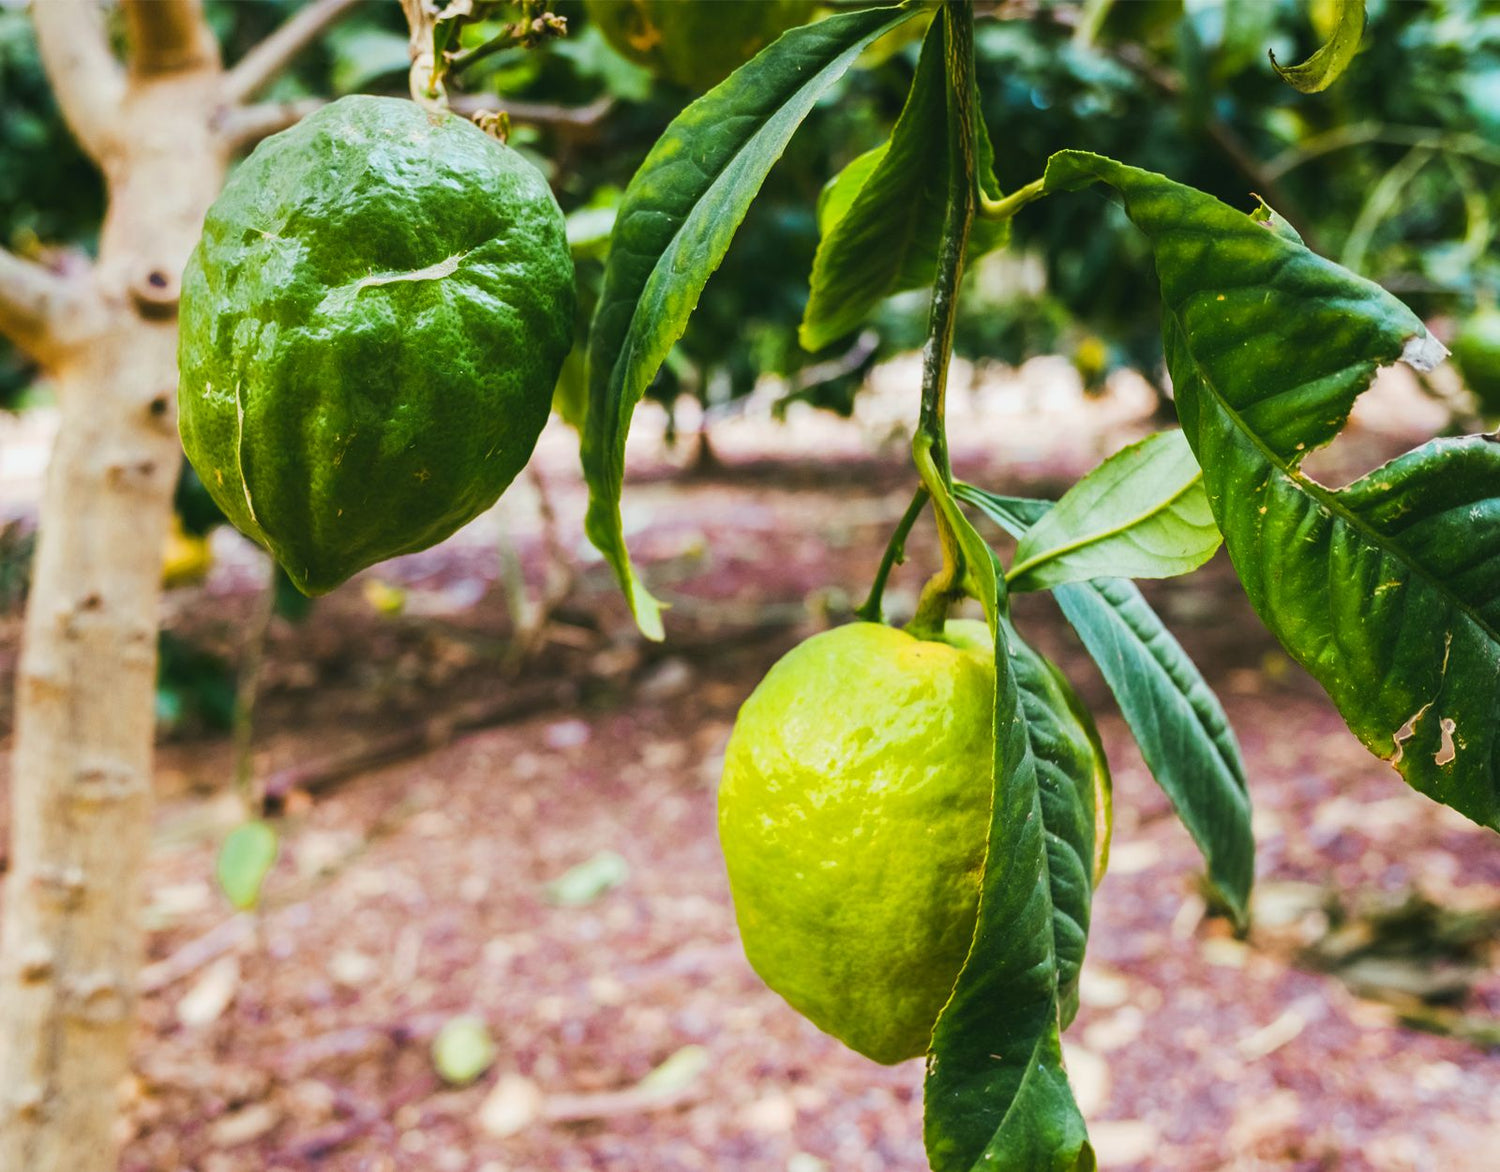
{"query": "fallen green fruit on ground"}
pixel 1476 353
pixel 853 815
pixel 371 328
pixel 695 43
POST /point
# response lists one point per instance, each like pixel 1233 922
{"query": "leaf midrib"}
pixel 1104 534
pixel 1329 498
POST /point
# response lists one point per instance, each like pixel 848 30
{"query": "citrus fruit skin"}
pixel 694 43
pixel 854 814
pixel 371 327
pixel 1476 353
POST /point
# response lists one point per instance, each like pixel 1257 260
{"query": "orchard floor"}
pixel 418 890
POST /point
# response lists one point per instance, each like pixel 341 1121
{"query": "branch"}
pixel 168 36
pixel 34 303
pixel 576 119
pixel 264 63
pixel 241 127
pixel 86 79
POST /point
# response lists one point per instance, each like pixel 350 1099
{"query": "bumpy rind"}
pixel 371 328
pixel 853 815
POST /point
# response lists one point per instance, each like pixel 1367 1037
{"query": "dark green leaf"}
pixel 244 861
pixel 1387 591
pixel 1065 772
pixel 881 219
pixel 1323 68
pixel 996 1093
pixel 1174 715
pixel 1140 514
pixel 675 223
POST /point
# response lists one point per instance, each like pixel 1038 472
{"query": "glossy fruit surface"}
pixel 371 328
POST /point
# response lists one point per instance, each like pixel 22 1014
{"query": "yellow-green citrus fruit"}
pixel 1476 353
pixel 371 327
pixel 853 815
pixel 694 43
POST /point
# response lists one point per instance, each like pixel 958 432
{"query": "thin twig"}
pixel 895 555
pixel 269 59
pixel 578 120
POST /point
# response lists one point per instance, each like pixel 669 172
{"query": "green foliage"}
pixel 1323 68
pixel 1385 590
pixel 1140 514
pixel 1176 719
pixel 880 219
pixel 675 223
pixel 996 1093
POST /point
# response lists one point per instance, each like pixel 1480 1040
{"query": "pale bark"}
pixel 71 948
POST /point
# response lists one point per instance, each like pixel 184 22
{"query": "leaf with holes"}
pixel 1388 590
pixel 675 224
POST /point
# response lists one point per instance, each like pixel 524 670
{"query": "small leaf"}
pixel 675 223
pixel 1140 514
pixel 881 219
pixel 462 1050
pixel 1176 719
pixel 244 861
pixel 1323 68
pixel 588 880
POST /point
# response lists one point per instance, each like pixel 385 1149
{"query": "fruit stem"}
pixel 895 554
pixel 930 443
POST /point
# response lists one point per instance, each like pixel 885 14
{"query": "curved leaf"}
pixel 1140 514
pixel 882 218
pixel 1387 591
pixel 1176 719
pixel 674 225
pixel 996 1093
pixel 1323 68
pixel 1064 756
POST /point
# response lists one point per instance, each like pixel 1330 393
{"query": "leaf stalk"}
pixel 930 443
pixel 895 555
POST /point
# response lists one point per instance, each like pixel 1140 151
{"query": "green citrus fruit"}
pixel 371 327
pixel 695 43
pixel 1476 353
pixel 854 815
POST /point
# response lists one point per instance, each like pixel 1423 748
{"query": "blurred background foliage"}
pixel 1394 171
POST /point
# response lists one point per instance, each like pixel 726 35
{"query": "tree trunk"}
pixel 72 938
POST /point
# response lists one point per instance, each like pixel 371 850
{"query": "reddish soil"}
pixel 416 891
